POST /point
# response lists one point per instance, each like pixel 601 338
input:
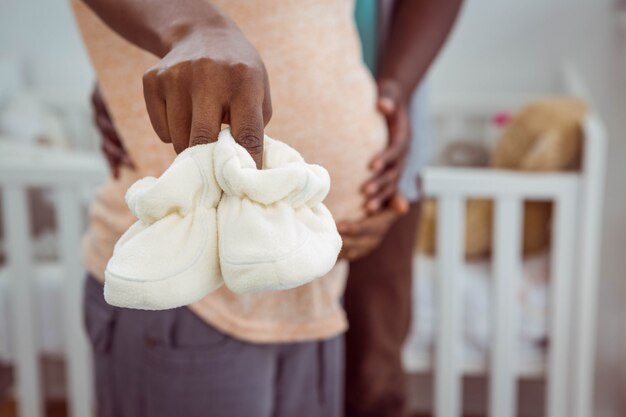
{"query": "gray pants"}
pixel 170 364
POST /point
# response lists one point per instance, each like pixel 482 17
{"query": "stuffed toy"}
pixel 545 136
pixel 213 218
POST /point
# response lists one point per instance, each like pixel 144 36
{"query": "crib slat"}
pixel 506 278
pixel 562 275
pixel 448 373
pixel 77 351
pixel 589 249
pixel 19 253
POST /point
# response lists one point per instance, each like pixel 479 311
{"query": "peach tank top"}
pixel 323 105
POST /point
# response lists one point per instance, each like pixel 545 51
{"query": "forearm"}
pixel 155 25
pixel 417 32
pixel 209 73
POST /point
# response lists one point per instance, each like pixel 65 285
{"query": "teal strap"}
pixel 365 14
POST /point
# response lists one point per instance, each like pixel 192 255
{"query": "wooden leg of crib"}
pixel 507 272
pixel 69 220
pixel 562 273
pixel 589 250
pixel 19 254
pixel 448 370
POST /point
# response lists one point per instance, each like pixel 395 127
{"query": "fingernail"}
pixel 402 206
pixel 377 165
pixel 371 188
pixel 401 210
pixel 386 103
pixel 373 205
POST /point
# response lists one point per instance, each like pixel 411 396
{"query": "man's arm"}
pixel 416 32
pixel 209 73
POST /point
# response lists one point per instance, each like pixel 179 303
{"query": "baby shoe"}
pixel 274 232
pixel 168 258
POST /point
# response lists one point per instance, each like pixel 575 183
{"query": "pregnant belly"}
pixel 341 135
pixel 347 159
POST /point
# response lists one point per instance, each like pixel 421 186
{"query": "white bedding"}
pixel 532 295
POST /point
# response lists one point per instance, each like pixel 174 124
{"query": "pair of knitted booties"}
pixel 213 218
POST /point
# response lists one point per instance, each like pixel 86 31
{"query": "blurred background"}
pixel 498 48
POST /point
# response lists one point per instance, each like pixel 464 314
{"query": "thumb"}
pixel 386 105
pixel 389 94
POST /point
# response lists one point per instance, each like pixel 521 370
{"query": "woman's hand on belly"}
pixel 363 236
pixel 387 165
pixel 111 144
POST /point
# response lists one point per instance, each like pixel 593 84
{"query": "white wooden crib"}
pixel 577 198
pixel 68 175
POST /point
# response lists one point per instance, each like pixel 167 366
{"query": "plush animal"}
pixel 545 136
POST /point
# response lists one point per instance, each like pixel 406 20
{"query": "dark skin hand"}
pixel 362 237
pixel 387 165
pixel 418 30
pixel 209 72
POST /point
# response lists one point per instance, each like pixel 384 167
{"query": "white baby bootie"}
pixel 169 258
pixel 274 232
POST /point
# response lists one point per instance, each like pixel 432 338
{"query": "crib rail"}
pixel 65 174
pixel 576 199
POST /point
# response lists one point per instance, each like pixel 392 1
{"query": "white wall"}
pixel 43 35
pixel 517 45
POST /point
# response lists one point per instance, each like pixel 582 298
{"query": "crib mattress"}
pixel 532 295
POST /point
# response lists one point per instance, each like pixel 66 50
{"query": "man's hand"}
pixel 211 75
pixel 388 165
pixel 112 146
pixel 363 236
